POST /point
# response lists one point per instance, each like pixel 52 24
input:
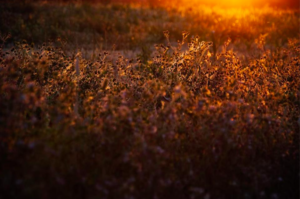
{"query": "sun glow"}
pixel 232 3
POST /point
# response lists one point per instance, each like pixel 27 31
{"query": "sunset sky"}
pixel 226 3
pixel 253 2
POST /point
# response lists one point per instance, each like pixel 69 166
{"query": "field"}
pixel 125 100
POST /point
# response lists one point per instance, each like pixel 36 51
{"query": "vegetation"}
pixel 117 101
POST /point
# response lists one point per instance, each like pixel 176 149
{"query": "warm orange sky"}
pixel 243 3
pixel 226 3
pixel 190 3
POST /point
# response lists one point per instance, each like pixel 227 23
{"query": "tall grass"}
pixel 186 119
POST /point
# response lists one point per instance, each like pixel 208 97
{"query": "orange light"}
pixel 230 3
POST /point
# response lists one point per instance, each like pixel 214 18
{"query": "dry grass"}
pixel 217 118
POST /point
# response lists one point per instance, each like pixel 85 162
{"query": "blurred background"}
pixel 136 24
pixel 224 3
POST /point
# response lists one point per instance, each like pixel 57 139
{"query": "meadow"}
pixel 140 101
